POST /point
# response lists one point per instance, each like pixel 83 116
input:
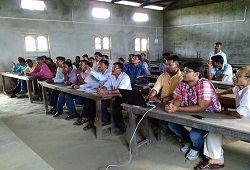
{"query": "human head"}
pixel 242 77
pixel 98 56
pixel 67 67
pixel 85 57
pixel 136 59
pixel 103 65
pixel 77 59
pixel 143 56
pixel 21 61
pixel 44 57
pixel 130 56
pixel 40 60
pixel 121 60
pixel 217 46
pixel 105 57
pixel 83 64
pixel 68 60
pixel 59 61
pixel 29 62
pixel 217 61
pixel 172 64
pixel 193 71
pixel 117 68
pixel 48 60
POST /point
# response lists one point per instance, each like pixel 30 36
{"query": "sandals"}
pixel 81 121
pixel 89 126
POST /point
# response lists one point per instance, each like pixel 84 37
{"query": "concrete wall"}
pixel 196 29
pixel 72 28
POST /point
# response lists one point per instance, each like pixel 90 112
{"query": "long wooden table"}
pixel 215 122
pixel 28 79
pixel 90 95
pixel 222 84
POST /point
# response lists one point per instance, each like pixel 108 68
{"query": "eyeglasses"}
pixel 237 76
pixel 188 71
pixel 115 68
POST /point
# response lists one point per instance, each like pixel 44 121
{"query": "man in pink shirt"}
pixel 41 70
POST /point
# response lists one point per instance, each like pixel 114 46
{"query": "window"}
pixel 36 45
pixel 100 13
pixel 33 5
pixel 140 17
pixel 141 44
pixel 103 44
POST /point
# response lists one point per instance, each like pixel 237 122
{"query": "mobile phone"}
pixel 198 116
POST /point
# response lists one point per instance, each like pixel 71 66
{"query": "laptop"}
pixel 133 97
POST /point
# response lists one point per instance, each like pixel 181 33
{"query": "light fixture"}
pixel 100 13
pixel 140 17
pixel 154 7
pixel 128 3
pixel 105 0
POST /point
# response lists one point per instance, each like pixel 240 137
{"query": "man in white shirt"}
pixel 217 51
pixel 219 70
pixel 98 57
pixel 213 143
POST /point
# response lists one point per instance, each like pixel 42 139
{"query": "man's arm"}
pixel 209 73
pixel 221 78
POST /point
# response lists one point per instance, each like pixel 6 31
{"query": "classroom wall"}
pixel 72 28
pixel 196 29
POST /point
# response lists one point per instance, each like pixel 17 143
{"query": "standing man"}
pixel 217 51
pixel 98 57
pixel 219 70
pixel 167 82
pixel 193 94
pixel 214 141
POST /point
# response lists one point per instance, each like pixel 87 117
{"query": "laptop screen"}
pixel 133 97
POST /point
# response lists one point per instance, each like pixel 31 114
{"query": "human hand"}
pixel 50 81
pixel 75 86
pixel 102 91
pixel 170 108
pixel 209 63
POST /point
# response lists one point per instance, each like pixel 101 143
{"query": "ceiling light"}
pixel 128 3
pixel 154 7
pixel 140 17
pixel 100 13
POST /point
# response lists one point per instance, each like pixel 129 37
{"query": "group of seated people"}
pixel 186 91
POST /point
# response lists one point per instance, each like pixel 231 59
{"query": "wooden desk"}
pixel 228 100
pixel 28 79
pixel 222 85
pixel 214 122
pixel 143 86
pixel 152 78
pixel 90 95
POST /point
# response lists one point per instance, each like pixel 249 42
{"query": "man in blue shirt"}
pixel 135 70
pixel 219 70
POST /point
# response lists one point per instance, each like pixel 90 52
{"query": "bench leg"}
pixel 132 124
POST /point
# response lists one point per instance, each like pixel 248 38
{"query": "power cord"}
pixel 130 150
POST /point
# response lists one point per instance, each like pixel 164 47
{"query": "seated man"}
pixel 118 80
pixel 89 104
pixel 213 142
pixel 69 78
pixel 57 79
pixel 219 70
pixel 167 82
pixel 135 70
pixel 162 65
pixel 84 80
pixel 193 94
pixel 145 62
pixel 21 85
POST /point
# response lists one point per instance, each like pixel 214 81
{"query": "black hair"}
pixel 85 55
pixel 138 55
pixel 78 57
pixel 44 57
pixel 69 60
pixel 120 65
pixel 131 54
pixel 40 58
pixel 105 62
pixel 60 58
pixel 48 58
pixel 105 56
pixel 175 58
pixel 92 58
pixel 166 54
pixel 122 59
pixel 29 60
pixel 143 54
pixel 196 66
pixel 98 53
pixel 21 59
pixel 217 59
pixel 86 62
pixel 218 43
pixel 69 64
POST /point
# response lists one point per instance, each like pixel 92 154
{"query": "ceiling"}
pixel 173 4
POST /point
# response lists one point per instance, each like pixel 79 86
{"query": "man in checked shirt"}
pixel 193 94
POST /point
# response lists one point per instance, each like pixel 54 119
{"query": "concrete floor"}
pixel 64 146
